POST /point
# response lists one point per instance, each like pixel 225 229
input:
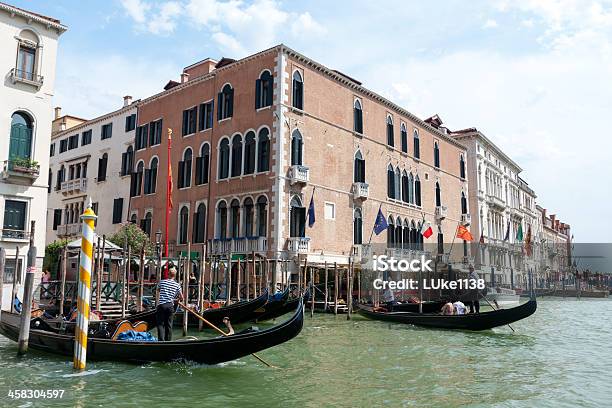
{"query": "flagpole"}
pixel 168 193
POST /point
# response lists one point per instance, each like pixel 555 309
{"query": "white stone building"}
pixel 28 45
pixel 92 159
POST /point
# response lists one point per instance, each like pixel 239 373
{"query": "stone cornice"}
pixel 33 17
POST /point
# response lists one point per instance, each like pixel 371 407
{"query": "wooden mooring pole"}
pixel 326 294
pixel 15 278
pixel 312 293
pixel 28 292
pixel 336 281
pixel 63 281
pixel 2 264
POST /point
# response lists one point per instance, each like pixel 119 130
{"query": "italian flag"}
pixel 426 229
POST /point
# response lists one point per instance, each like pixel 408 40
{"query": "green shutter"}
pixel 21 142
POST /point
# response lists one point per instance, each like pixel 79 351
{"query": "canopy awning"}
pixel 109 246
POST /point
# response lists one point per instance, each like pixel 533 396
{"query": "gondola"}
pixel 274 302
pixel 289 305
pixel 475 322
pixel 428 307
pixel 210 351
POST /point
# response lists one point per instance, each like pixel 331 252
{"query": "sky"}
pixel 534 76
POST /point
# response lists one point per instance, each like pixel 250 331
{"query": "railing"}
pixel 466 219
pixel 360 190
pixel 70 186
pixel 238 245
pixel 496 201
pixel 19 169
pixel 67 230
pixel 298 244
pixel 299 174
pixel 441 212
pixel 19 75
pixel 14 234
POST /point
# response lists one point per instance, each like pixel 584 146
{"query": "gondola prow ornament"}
pixel 84 294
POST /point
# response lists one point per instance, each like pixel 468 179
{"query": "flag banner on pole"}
pixel 463 233
pixel 311 211
pixel 381 222
pixel 519 233
pixel 170 188
pixel 482 241
pixel 507 237
pixel 528 242
pixel 426 230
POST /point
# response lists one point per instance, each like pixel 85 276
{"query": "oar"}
pixel 493 307
pixel 220 331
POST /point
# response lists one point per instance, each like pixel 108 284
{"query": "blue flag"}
pixel 311 212
pixel 381 222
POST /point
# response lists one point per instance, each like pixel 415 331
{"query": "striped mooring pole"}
pixel 84 294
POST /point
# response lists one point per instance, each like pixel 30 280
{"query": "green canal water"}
pixel 560 357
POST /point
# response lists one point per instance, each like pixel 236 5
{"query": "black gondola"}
pixel 428 307
pixel 274 302
pixel 285 308
pixel 209 351
pixel 475 322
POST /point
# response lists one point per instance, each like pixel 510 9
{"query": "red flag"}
pixel 528 241
pixel 463 233
pixel 170 187
pixel 426 229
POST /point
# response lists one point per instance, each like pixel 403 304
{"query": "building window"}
pixel 416 147
pixel 436 155
pixel 150 177
pixel 249 152
pixel 146 223
pixel 189 121
pixel 183 225
pixel 329 211
pixel 130 122
pixel 298 91
pixel 398 233
pixel 12 271
pixel 464 209
pixel 411 188
pixel 20 145
pixel 61 174
pixel 86 137
pixel 127 161
pixel 202 164
pixel 15 214
pixel 136 180
pixel 199 224
pixel 73 142
pixel 52 150
pixel 297 218
pixel 262 216
pixel 225 107
pixel 26 62
pixel 224 153
pixel 390 232
pixel 235 219
pixel 440 242
pixel 57 218
pixel 249 217
pixel 184 169
pixel 357 227
pixel 102 164
pixel 206 115
pixel 357 117
pixel 438 195
pixel 63 145
pixel 417 191
pixel 236 155
pixel 297 143
pixel 404 138
pixel 49 181
pixel 263 90
pixel 222 220
pixel 462 167
pixel 263 150
pixel 390 136
pixel 405 187
pixel 390 182
pixel 107 131
pixel 359 170
pixel 133 218
pixel 142 134
pixel 117 210
pixel 155 132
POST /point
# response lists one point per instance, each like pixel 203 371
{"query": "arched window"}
pixel 398 232
pixel 263 90
pixel 262 216
pixel 146 223
pixel 61 174
pixel 297 144
pixel 406 242
pixel 263 150
pixel 152 176
pixel 438 195
pixel 398 184
pixel 236 155
pixel 102 165
pixel 404 137
pixel 183 225
pixel 249 153
pixel 184 176
pixel 297 218
pixel 224 153
pixel 26 57
pixel 127 161
pixel 405 187
pixel 411 188
pixel 390 182
pixel 20 146
pixel 359 172
pixel 202 165
pixel 414 235
pixel 436 154
pixel 357 227
pixel 390 232
pixel 298 91
pixel 133 218
pixel 464 208
pixel 222 220
pixel 199 224
pixel 225 105
pixel 390 136
pixel 357 117
pixel 249 217
pixel 136 180
pixel 462 167
pixel 417 191
pixel 235 219
pixel 416 147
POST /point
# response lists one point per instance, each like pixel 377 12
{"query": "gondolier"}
pixel 473 294
pixel 169 292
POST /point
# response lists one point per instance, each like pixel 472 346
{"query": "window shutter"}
pixel 220 106
pixel 181 171
pixel 258 94
pixel 123 163
pixel 230 112
pixel 147 181
pixel 302 220
pixel 132 184
pixel 269 91
pixel 198 170
pixel 185 120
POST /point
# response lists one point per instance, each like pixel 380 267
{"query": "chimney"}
pixel 127 99
pixel 58 112
pixel 184 77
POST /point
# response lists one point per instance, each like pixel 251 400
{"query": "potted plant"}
pixel 25 165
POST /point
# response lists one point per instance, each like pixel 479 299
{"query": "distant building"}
pixel 552 249
pixel 28 45
pixel 90 158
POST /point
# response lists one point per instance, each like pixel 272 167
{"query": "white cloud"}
pixel 490 23
pixel 136 9
pixel 164 21
pixel 305 25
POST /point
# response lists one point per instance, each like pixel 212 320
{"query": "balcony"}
pixel 360 191
pixel 68 230
pixel 466 219
pixel 25 77
pixel 74 186
pixel 20 171
pixel 441 212
pixel 496 201
pixel 298 245
pixel 14 235
pixel 299 174
pixel 241 245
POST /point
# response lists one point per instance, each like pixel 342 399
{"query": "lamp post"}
pixel 158 248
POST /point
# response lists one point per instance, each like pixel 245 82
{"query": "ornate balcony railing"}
pixel 30 78
pixel 298 245
pixel 299 174
pixel 241 245
pixel 360 191
pixel 76 185
pixel 11 234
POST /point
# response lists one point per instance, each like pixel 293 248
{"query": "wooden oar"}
pixel 220 331
pixel 493 307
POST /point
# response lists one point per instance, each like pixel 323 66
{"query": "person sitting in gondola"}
pixel 460 308
pixel 448 309
pixel 169 292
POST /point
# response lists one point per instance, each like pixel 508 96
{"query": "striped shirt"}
pixel 169 289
